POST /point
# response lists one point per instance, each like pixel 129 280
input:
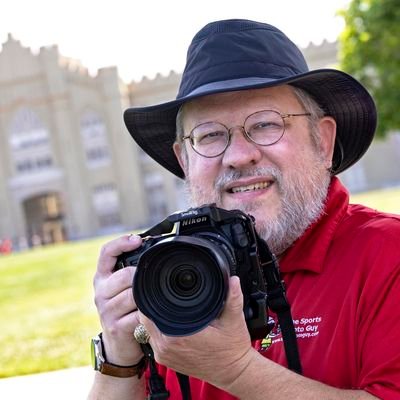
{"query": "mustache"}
pixel 232 175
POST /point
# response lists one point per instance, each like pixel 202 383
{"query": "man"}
pixel 253 129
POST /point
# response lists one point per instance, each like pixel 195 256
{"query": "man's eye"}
pixel 211 136
pixel 264 125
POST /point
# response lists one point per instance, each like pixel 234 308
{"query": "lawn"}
pixel 46 301
pixel 385 199
pixel 46 307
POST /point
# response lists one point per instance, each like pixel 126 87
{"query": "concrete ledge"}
pixel 67 384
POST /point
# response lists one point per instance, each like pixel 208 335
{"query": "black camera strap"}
pixel 157 388
pixel 184 385
pixel 164 226
pixel 278 303
pixel 156 383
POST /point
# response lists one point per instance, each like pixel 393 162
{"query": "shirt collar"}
pixel 309 251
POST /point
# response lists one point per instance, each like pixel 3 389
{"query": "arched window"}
pixel 29 142
pixel 155 189
pixel 106 205
pixel 94 138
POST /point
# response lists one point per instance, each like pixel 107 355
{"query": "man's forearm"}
pixel 110 388
pixel 263 379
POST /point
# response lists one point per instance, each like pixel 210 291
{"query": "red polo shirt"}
pixel 343 284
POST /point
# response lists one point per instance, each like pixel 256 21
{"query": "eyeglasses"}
pixel 265 128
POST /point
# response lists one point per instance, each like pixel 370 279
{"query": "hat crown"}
pixel 236 49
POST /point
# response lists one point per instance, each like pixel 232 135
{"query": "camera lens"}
pixel 185 280
pixel 181 284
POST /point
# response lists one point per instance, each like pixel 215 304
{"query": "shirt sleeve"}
pixel 379 322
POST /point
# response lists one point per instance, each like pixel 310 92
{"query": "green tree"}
pixel 370 51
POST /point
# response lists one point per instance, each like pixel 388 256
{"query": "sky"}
pixel 143 38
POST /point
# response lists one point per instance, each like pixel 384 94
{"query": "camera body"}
pixel 184 265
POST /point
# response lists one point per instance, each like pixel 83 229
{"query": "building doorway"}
pixel 44 217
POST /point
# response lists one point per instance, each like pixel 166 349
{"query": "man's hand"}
pixel 115 303
pixel 216 354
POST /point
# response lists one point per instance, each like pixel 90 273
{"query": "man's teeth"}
pixel 248 188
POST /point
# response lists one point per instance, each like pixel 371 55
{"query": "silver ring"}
pixel 141 335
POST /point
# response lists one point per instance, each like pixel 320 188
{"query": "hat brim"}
pixel 339 94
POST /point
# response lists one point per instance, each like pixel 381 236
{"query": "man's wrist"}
pixel 120 351
pixel 101 364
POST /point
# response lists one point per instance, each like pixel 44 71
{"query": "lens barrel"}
pixel 181 283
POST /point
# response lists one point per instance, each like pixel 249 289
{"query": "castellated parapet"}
pixel 152 91
pixel 323 55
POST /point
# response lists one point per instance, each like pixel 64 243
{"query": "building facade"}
pixel 68 167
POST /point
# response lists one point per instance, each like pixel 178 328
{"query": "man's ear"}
pixel 182 159
pixel 327 129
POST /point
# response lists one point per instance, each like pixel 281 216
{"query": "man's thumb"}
pixel 234 301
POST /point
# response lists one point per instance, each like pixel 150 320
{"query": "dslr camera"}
pixel 184 265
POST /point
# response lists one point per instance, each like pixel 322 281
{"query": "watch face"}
pixel 96 353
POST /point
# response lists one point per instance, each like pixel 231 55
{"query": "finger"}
pixel 117 282
pixel 119 341
pixel 111 250
pixel 123 325
pixel 121 304
pixel 234 302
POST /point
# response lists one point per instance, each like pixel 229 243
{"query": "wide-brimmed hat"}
pixel 233 55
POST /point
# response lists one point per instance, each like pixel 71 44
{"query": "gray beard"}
pixel 302 202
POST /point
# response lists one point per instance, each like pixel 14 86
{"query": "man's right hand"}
pixel 115 303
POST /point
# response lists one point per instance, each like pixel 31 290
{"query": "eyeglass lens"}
pixel 212 138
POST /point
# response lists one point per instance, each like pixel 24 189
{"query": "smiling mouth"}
pixel 250 188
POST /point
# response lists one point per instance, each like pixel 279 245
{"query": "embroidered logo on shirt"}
pixel 275 331
pixel 305 328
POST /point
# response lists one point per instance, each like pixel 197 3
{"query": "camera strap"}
pixel 278 303
pixel 157 387
pixel 164 226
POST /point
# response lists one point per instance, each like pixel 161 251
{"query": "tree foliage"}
pixel 370 51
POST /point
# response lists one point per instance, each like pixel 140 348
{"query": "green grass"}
pixel 385 200
pixel 46 301
pixel 46 307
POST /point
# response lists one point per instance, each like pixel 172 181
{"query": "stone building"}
pixel 68 167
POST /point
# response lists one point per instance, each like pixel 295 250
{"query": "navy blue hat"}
pixel 233 55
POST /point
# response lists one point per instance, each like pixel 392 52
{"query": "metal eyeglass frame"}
pixel 246 134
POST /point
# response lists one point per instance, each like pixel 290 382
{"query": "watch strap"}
pixel 101 364
pixel 122 371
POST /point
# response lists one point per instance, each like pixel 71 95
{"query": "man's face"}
pixel 283 185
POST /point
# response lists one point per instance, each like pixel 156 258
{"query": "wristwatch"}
pixel 101 364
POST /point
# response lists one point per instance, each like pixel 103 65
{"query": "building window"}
pixel 155 190
pixel 94 137
pixel 29 143
pixel 181 195
pixel 106 205
pixel 109 220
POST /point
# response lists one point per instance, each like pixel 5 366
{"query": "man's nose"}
pixel 241 150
